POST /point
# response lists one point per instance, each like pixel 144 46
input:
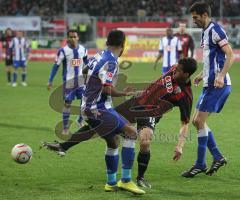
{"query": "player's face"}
pixel 9 32
pixel 169 32
pixel 199 20
pixel 19 34
pixel 182 28
pixel 179 74
pixel 73 38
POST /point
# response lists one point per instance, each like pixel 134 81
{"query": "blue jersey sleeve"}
pixel 219 36
pixel 107 73
pixel 53 72
pixel 59 58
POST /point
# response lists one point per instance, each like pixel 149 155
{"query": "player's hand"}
pixel 177 153
pixel 197 80
pixel 219 81
pixel 129 91
pixel 49 86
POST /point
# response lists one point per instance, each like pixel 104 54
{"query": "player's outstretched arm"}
pixel 52 75
pixel 157 59
pixel 110 90
pixel 181 140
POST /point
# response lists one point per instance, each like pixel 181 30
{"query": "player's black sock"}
pixel 9 77
pixel 81 135
pixel 143 160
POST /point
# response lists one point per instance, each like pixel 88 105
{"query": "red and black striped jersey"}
pixel 186 42
pixel 168 89
pixel 6 43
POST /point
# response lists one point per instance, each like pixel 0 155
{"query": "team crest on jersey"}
pixel 109 76
pixel 76 62
pixel 168 83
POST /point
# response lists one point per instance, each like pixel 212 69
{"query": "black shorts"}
pixel 149 122
pixel 9 62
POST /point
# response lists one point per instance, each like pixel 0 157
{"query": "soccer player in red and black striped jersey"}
pixel 6 39
pixel 178 92
pixel 173 88
pixel 186 40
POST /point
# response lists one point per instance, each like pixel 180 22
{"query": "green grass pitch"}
pixel 25 116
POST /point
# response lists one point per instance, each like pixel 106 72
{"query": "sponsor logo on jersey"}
pixel 76 62
pixel 168 83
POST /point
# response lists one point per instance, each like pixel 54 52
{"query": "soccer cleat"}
pixel 24 84
pixel 131 187
pixel 80 122
pixel 216 164
pixel 110 188
pixel 141 182
pixel 193 172
pixel 54 146
pixel 14 84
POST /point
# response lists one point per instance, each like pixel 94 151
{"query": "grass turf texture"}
pixel 26 117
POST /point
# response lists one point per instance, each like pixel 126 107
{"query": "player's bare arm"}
pixel 181 140
pixel 219 81
pixel 156 62
pixel 197 79
pixel 49 86
pixel 110 90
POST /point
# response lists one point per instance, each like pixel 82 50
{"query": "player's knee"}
pixel 130 131
pixel 113 142
pixel 145 146
pixel 198 122
pixel 145 136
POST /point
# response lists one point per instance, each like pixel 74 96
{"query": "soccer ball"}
pixel 21 153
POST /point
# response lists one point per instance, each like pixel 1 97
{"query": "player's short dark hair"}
pixel 8 29
pixel 71 31
pixel 200 8
pixel 189 65
pixel 115 38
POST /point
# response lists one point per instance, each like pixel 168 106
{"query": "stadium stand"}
pixel 161 8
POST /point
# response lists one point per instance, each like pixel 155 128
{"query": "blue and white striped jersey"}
pixel 19 48
pixel 169 47
pixel 213 39
pixel 73 61
pixel 103 71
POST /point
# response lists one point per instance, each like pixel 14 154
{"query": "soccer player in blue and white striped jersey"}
pixel 73 57
pixel 20 50
pixel 99 112
pixel 170 49
pixel 217 60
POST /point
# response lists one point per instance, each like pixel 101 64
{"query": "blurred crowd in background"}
pixel 112 7
pixel 54 24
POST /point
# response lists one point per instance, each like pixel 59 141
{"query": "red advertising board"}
pixel 135 55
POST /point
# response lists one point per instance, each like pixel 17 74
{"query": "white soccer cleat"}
pixel 24 84
pixel 14 84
